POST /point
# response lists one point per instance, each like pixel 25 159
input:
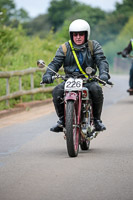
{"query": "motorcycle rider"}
pixel 79 31
pixel 124 53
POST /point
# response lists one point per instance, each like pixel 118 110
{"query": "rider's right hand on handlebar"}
pixel 47 78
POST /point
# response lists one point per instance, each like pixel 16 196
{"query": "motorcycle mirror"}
pixel 88 70
pixel 40 63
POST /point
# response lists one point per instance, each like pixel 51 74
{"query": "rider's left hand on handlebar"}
pixel 104 77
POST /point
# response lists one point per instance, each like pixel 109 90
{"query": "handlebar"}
pixel 104 82
pixel 126 56
pixel 85 79
pixel 119 53
pixel 110 83
pixel 89 71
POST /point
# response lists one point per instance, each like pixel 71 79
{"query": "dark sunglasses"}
pixel 79 33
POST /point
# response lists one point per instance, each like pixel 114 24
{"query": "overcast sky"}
pixel 36 7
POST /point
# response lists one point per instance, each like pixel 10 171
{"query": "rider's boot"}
pixel 97 109
pixel 130 90
pixel 99 126
pixel 59 126
pixel 60 113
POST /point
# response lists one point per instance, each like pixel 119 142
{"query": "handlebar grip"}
pixel 102 82
pixel 54 77
pixel 119 53
pixel 41 83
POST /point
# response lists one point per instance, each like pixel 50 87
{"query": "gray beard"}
pixel 80 47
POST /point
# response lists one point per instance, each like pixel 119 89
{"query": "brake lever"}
pixel 110 83
pixel 101 81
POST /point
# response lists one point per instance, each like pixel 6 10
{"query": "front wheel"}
pixel 72 130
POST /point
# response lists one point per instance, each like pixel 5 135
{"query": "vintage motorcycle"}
pixel 79 127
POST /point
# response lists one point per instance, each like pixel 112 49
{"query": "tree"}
pixel 57 11
pixel 126 7
pixel 109 28
pixel 119 43
pixel 114 21
pixel 127 31
pixel 9 15
pixel 21 15
pixel 6 9
pixel 38 26
pixel 92 15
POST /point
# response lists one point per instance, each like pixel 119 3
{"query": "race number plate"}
pixel 73 84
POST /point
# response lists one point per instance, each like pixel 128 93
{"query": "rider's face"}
pixel 79 38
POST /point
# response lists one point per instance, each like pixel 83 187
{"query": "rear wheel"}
pixel 72 130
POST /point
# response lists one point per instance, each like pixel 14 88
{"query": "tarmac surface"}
pixel 34 164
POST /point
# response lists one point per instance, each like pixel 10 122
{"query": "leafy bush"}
pixel 20 52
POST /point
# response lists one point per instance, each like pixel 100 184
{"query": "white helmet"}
pixel 79 25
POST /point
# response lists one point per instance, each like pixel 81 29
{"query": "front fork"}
pixel 76 97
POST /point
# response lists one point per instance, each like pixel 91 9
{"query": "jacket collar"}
pixel 80 47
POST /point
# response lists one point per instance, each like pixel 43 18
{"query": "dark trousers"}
pixel 131 77
pixel 96 94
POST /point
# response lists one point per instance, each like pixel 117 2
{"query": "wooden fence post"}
pixel 32 84
pixel 20 86
pixel 7 91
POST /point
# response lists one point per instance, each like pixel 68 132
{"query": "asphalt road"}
pixel 34 164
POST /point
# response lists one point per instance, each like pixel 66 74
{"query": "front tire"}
pixel 72 130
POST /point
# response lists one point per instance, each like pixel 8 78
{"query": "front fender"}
pixel 71 96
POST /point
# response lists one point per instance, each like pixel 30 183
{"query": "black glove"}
pixel 124 54
pixel 47 78
pixel 119 53
pixel 104 77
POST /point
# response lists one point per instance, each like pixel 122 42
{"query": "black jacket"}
pixel 98 60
